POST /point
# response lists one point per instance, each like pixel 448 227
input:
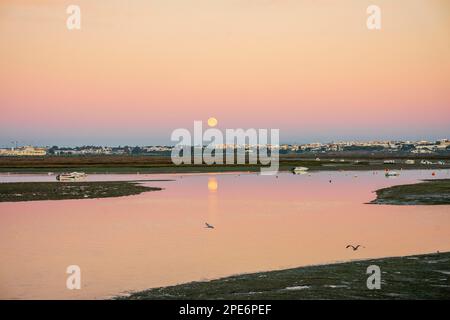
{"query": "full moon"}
pixel 212 122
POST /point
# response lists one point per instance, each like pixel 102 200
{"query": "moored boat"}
pixel 300 170
pixel 72 176
pixel 391 174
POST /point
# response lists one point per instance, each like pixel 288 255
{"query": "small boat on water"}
pixel 391 174
pixel 72 176
pixel 300 170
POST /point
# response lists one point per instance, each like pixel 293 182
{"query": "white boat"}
pixel 299 170
pixel 72 176
pixel 391 174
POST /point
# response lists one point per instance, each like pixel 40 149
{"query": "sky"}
pixel 137 70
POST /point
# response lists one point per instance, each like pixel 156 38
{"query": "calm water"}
pixel 158 238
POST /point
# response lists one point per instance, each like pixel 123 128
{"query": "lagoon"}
pixel 158 238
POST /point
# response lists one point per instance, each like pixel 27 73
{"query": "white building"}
pixel 23 151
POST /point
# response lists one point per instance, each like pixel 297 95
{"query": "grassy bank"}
pixel 160 164
pixel 429 192
pixel 32 191
pixel 415 277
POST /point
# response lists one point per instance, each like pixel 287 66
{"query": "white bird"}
pixel 207 225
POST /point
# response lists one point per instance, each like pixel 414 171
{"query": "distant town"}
pixel 439 147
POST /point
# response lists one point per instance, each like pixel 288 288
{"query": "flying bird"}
pixel 207 225
pixel 354 247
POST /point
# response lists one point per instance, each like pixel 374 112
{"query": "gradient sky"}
pixel 139 69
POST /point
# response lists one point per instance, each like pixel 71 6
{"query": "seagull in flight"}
pixel 354 247
pixel 207 225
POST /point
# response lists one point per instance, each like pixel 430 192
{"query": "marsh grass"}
pixel 428 192
pixel 414 277
pixel 32 191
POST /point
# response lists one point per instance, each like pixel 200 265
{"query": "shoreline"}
pixel 425 192
pixel 55 191
pixel 163 164
pixel 425 276
pixel 212 169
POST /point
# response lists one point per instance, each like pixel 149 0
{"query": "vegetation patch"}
pixel 413 277
pixel 32 191
pixel 163 164
pixel 429 192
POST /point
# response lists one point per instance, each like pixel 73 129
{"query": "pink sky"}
pixel 137 70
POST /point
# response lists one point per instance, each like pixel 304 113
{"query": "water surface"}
pixel 158 238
